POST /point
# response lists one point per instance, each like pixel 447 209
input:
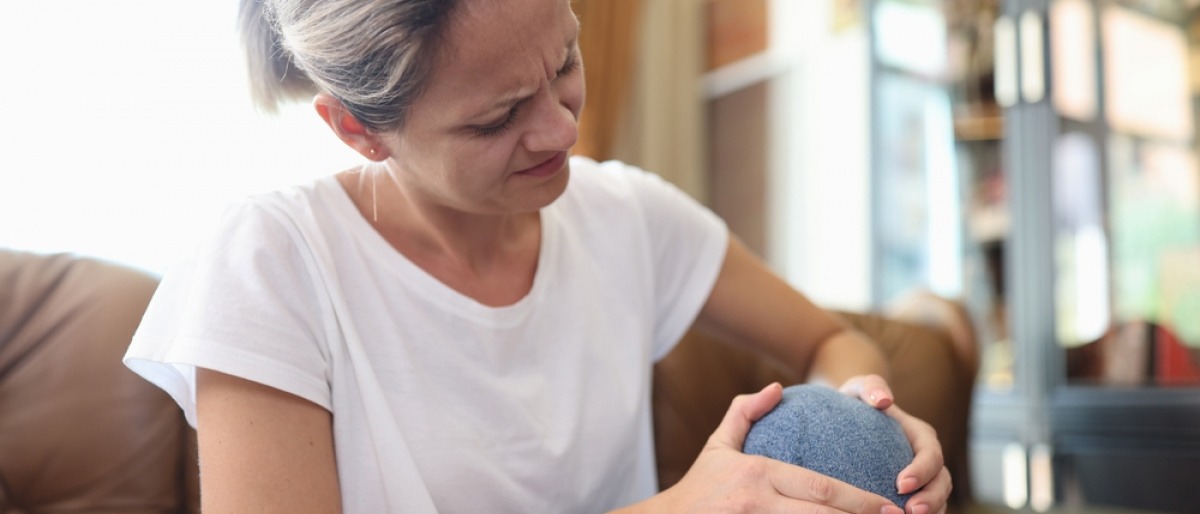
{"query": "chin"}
pixel 546 193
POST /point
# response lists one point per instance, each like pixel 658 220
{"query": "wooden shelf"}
pixel 979 128
pixel 743 73
pixel 737 29
pixel 979 123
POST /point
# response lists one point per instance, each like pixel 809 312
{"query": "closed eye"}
pixel 497 128
pixel 571 65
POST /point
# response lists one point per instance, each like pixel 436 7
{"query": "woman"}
pixel 467 323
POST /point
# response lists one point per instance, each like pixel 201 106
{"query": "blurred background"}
pixel 1034 160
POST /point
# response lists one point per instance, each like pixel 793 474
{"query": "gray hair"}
pixel 375 56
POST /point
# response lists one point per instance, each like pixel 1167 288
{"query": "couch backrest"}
pixel 78 431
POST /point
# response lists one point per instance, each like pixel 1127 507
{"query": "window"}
pixel 128 127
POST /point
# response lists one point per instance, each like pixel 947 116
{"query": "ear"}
pixel 348 128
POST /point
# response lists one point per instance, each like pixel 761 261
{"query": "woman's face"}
pixel 491 133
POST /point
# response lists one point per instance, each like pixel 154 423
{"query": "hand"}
pixel 723 479
pixel 927 471
pixel 872 389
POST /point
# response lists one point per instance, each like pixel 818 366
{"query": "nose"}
pixel 555 128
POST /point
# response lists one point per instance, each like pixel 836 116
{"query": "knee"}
pixel 833 434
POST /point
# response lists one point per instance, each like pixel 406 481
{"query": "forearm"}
pixel 845 354
pixel 661 502
pixel 751 306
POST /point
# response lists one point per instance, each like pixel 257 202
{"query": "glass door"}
pixel 1073 189
pixel 1127 192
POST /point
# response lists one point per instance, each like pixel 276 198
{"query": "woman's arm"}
pixel 750 305
pixel 262 450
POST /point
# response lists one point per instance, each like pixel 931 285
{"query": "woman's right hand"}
pixel 723 479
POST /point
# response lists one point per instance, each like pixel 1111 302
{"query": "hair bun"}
pixel 273 75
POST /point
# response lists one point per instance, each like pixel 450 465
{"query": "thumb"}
pixel 743 412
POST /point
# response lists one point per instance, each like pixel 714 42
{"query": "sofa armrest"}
pixel 694 385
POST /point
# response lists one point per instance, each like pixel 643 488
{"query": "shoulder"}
pixel 291 202
pixel 284 213
pixel 610 173
pixel 614 181
pixel 279 234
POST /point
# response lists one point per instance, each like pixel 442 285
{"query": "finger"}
pixel 809 486
pixel 790 506
pixel 927 451
pixel 743 412
pixel 876 392
pixel 871 389
pixel 934 497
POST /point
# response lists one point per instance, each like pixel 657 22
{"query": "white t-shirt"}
pixel 441 403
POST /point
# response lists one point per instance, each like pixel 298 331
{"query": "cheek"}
pixel 483 161
pixel 455 166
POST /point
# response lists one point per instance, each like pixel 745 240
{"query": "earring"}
pixel 375 197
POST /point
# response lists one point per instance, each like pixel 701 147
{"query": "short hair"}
pixel 374 56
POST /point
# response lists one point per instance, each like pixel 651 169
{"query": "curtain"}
pixel 607 41
pixel 645 60
pixel 665 129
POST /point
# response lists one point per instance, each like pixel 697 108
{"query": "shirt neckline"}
pixel 414 276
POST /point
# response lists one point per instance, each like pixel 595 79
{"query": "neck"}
pixel 423 229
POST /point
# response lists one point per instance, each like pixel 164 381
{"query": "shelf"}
pixel 979 122
pixel 979 128
pixel 743 73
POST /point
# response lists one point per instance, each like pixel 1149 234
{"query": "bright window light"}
pixel 129 128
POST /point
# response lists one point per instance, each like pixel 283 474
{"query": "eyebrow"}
pixel 520 96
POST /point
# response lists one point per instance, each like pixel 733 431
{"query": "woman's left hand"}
pixel 928 471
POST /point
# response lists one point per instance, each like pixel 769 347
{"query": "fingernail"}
pixel 908 485
pixel 877 396
pixel 920 508
pixel 891 509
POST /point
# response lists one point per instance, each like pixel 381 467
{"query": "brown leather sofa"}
pixel 80 433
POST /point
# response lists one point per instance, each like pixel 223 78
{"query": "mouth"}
pixel 546 168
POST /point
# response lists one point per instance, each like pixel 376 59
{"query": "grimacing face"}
pixel 492 131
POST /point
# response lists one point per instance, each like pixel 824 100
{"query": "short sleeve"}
pixel 247 304
pixel 688 243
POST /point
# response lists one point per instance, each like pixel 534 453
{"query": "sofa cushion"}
pixel 78 431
